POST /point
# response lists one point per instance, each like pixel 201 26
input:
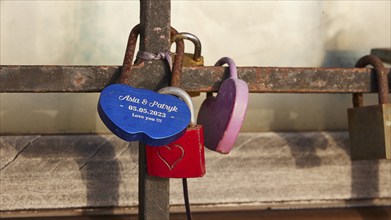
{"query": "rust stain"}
pixel 79 80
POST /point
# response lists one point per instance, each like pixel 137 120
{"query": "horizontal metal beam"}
pixel 201 79
pixel 56 78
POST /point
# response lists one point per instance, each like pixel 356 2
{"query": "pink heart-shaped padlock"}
pixel 222 116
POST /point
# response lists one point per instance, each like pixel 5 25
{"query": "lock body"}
pixel 142 115
pixel 183 158
pixel 189 60
pixel 370 132
pixel 222 116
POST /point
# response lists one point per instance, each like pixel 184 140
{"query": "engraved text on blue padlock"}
pixel 143 115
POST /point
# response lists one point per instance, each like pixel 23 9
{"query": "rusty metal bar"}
pixel 201 79
pixel 154 192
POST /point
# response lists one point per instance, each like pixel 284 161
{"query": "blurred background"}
pixel 253 33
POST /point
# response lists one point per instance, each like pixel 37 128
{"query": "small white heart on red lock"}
pixel 222 116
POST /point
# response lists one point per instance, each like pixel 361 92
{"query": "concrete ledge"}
pixel 269 169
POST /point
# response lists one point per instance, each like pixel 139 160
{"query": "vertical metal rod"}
pixel 154 37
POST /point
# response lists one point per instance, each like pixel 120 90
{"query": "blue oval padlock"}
pixel 143 115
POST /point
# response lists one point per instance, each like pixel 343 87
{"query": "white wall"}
pixel 253 33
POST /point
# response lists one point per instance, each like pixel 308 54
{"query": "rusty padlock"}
pixel 183 158
pixel 370 126
pixel 125 77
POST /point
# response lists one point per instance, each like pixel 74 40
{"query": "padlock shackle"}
pixel 129 54
pixel 381 78
pixel 184 96
pixel 231 66
pixel 192 38
pixel 176 75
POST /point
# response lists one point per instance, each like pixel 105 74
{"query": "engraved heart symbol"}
pixel 171 155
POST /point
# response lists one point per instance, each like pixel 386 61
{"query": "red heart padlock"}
pixel 183 158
